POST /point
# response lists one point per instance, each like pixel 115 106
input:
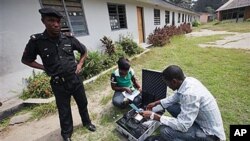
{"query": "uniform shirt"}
pixel 57 55
pixel 123 81
pixel 197 105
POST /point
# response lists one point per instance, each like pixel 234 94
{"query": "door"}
pixel 140 24
pixel 173 20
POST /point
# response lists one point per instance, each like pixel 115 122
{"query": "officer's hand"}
pixel 78 69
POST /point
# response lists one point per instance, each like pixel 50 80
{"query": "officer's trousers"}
pixel 63 90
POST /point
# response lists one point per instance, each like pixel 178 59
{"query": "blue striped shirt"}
pixel 197 105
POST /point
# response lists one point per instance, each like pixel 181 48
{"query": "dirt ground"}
pixel 233 40
pixel 47 129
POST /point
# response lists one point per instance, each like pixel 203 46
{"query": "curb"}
pixel 10 108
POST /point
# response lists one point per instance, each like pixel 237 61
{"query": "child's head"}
pixel 123 66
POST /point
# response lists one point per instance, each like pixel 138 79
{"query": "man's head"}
pixel 123 66
pixel 173 76
pixel 52 21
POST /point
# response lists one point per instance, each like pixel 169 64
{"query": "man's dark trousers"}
pixel 63 89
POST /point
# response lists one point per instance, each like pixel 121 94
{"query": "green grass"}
pixel 226 26
pixel 225 72
pixel 106 99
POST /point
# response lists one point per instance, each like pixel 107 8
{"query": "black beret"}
pixel 50 12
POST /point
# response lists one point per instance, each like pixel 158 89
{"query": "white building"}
pixel 89 20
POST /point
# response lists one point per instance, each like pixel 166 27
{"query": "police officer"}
pixel 58 61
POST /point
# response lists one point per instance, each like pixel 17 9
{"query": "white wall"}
pixel 97 17
pixel 18 20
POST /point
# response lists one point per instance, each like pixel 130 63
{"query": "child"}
pixel 123 80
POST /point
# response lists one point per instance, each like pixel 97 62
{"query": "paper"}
pixel 131 96
pixel 135 108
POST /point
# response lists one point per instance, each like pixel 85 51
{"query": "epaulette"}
pixel 68 34
pixel 36 36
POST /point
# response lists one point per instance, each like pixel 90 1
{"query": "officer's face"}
pixel 52 25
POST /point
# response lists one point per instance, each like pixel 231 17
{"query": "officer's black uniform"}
pixel 59 62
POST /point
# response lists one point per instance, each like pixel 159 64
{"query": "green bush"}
pixel 92 65
pixel 196 23
pixel 111 60
pixel 38 87
pixel 108 44
pixel 129 46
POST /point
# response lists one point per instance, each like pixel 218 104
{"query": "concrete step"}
pixel 10 107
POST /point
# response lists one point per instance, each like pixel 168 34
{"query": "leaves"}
pixel 161 36
pixel 38 87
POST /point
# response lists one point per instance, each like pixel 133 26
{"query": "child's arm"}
pixel 117 88
pixel 136 83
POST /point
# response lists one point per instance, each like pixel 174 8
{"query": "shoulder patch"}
pixel 36 36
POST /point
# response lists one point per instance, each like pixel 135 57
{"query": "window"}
pixel 117 16
pixel 157 17
pixel 179 17
pixel 182 17
pixel 73 17
pixel 166 17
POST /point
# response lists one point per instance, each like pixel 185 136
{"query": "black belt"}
pixel 61 79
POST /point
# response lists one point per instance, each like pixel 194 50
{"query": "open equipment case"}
pixel 132 125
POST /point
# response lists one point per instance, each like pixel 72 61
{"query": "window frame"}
pixel 179 17
pixel 118 16
pixel 167 17
pixel 157 20
pixel 67 18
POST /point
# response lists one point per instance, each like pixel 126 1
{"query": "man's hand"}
pixel 139 89
pixel 150 106
pixel 78 69
pixel 146 114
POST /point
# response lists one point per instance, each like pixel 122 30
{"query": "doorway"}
pixel 140 24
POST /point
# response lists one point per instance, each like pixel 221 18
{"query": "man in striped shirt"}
pixel 195 112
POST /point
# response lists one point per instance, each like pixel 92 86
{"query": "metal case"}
pixel 153 88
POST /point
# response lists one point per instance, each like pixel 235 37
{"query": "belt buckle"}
pixel 58 79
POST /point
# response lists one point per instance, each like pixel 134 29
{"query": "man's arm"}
pixel 82 50
pixel 33 64
pixel 81 62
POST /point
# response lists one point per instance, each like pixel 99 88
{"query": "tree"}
pixel 182 3
pixel 202 5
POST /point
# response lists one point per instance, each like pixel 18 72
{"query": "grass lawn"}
pixel 225 72
pixel 227 26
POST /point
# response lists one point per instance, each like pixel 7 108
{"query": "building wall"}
pixel 204 18
pixel 18 20
pixel 247 13
pixel 22 19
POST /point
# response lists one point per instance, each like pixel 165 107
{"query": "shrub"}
pixel 111 60
pixel 185 28
pixel 92 65
pixel 196 23
pixel 38 87
pixel 159 37
pixel 129 46
pixel 108 44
